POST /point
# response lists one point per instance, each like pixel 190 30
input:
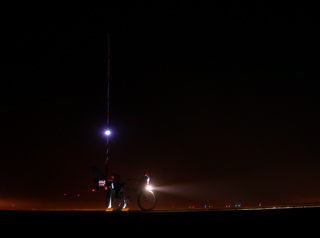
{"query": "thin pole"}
pixel 108 102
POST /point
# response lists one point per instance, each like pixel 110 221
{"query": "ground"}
pixel 163 222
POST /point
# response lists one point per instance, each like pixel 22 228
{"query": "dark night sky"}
pixel 218 104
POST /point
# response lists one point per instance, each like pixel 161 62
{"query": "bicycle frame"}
pixel 120 195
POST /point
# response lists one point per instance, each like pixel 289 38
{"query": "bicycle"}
pixel 117 200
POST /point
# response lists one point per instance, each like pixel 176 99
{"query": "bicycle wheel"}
pixel 147 200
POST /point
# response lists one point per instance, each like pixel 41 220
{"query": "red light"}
pixel 93 190
pixel 106 188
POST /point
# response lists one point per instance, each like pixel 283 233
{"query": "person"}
pixel 117 185
pixel 113 190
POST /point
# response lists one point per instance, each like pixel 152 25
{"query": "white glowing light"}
pixel 149 187
pixel 107 132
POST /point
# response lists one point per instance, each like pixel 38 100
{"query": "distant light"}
pixel 149 187
pixel 108 132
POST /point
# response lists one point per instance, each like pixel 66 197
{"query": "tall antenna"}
pixel 108 102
